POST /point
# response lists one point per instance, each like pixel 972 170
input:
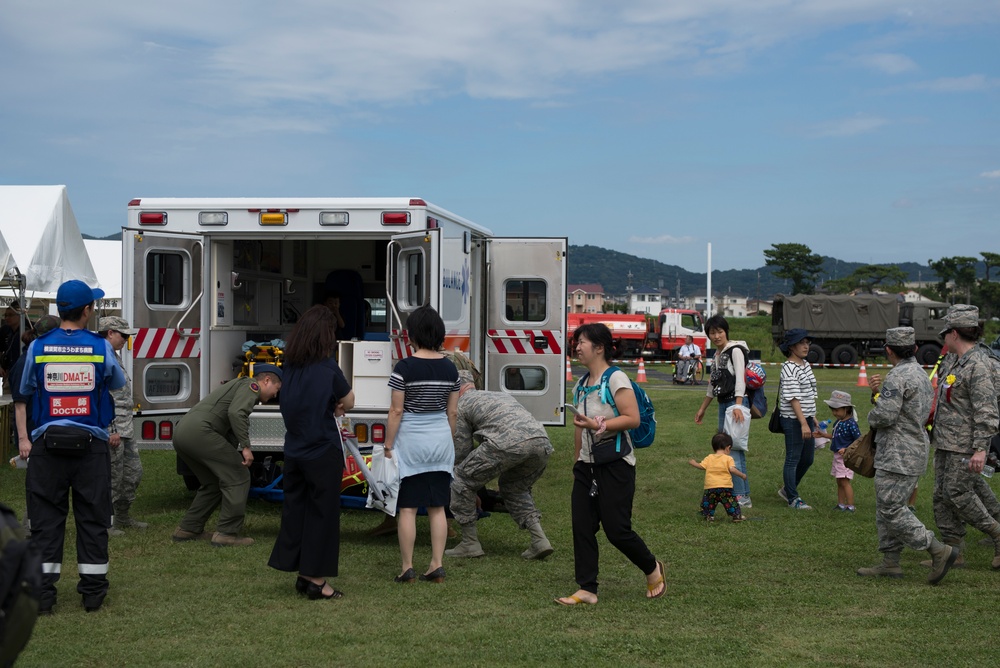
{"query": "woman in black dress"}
pixel 314 391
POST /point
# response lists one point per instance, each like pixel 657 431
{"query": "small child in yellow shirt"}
pixel 719 468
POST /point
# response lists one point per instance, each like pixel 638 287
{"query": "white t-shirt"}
pixel 591 405
pixel 690 350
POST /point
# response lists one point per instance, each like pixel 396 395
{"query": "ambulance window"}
pixel 165 278
pixel 166 382
pixel 523 378
pixel 413 273
pixel 525 301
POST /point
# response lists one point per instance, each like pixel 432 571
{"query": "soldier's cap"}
pixel 900 336
pixel 961 315
pixel 46 324
pixel 839 399
pixel 267 368
pixel 74 294
pixel 466 378
pixel 115 323
pixel 792 336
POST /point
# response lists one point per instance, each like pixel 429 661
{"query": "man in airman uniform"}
pixel 965 421
pixel 900 413
pixel 205 439
pixel 514 447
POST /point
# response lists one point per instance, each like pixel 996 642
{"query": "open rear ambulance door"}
pixel 165 307
pixel 526 323
pixel 414 279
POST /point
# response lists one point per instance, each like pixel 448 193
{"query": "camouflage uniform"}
pixel 904 403
pixel 513 446
pixel 964 422
pixel 126 467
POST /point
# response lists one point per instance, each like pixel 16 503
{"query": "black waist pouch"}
pixel 608 450
pixel 60 440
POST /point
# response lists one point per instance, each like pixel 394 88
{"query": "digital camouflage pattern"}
pixel 904 403
pixel 126 473
pixel 966 417
pixel 896 524
pixel 514 448
pixel 961 497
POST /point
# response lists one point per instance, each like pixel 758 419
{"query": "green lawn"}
pixel 776 591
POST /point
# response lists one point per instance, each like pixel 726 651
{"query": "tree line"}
pixel 957 277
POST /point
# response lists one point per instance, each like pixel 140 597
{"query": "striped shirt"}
pixel 797 382
pixel 425 383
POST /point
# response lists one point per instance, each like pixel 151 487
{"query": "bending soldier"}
pixel 514 447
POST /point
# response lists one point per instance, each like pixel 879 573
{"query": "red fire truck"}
pixel 651 337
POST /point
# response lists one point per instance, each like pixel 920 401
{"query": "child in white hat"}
pixel 845 431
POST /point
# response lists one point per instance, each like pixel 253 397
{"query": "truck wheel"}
pixel 928 353
pixel 816 354
pixel 191 482
pixel 844 354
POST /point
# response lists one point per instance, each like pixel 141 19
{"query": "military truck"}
pixel 845 328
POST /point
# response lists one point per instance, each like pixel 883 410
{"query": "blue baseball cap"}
pixel 266 368
pixel 74 294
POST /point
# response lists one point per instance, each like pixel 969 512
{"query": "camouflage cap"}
pixel 46 324
pixel 900 336
pixel 961 315
pixel 466 377
pixel 115 323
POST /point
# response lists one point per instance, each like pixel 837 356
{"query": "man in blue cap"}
pixel 213 439
pixel 69 373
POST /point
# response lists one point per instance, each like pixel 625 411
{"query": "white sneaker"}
pixel 744 501
pixel 799 504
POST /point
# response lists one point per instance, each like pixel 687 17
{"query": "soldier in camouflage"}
pixel 900 413
pixel 965 421
pixel 126 467
pixel 514 447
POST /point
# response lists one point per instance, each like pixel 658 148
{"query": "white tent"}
pixel 43 237
pixel 106 256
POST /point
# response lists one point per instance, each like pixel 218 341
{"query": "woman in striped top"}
pixel 798 414
pixel 422 417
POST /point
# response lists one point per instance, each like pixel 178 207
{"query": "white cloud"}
pixel 398 51
pixel 972 83
pixel 887 63
pixel 663 239
pixel 847 127
pixel 994 174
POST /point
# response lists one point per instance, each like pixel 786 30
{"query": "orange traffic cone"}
pixel 569 371
pixel 641 376
pixel 863 376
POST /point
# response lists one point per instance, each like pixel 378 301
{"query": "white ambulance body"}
pixel 204 276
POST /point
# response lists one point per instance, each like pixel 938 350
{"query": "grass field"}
pixel 779 590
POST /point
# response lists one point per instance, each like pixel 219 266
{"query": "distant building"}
pixel 645 300
pixel 755 306
pixel 585 298
pixel 732 306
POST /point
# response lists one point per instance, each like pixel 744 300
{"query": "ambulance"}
pixel 210 283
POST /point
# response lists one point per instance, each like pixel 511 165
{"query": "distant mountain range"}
pixel 592 264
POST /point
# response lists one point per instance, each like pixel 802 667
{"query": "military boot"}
pixel 889 568
pixel 125 521
pixel 540 546
pixel 469 547
pixel 959 560
pixel 943 558
pixel 230 540
pixel 995 535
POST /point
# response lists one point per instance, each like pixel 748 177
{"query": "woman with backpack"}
pixel 728 385
pixel 604 469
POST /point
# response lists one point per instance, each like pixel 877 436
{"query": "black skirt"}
pixel 430 490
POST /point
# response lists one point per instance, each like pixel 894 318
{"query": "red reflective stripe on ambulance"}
pixel 165 343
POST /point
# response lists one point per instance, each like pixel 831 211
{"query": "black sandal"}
pixel 315 592
pixel 407 577
pixel 437 575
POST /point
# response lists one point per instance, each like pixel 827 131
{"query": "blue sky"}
pixel 866 129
